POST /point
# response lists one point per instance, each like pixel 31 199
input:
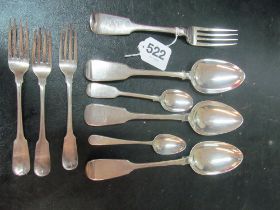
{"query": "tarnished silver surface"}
pixel 163 144
pixel 171 100
pixel 18 60
pixel 208 76
pixel 206 158
pixel 206 118
pixel 41 66
pixel 106 24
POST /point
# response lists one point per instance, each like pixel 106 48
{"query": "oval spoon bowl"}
pixel 215 76
pixel 214 157
pixel 212 118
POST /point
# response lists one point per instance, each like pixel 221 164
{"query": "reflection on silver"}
pixel 206 158
pixel 208 76
pixel 163 144
pixel 171 100
pixel 206 118
pixel 216 158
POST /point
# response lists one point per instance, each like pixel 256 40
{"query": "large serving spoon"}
pixel 171 100
pixel 206 118
pixel 206 158
pixel 163 144
pixel 206 75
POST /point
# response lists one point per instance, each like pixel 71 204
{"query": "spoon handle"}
pixel 182 161
pixel 141 116
pixel 97 140
pixel 140 72
pixel 138 95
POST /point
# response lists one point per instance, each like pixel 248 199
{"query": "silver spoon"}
pixel 206 158
pixel 206 118
pixel 207 75
pixel 171 100
pixel 163 144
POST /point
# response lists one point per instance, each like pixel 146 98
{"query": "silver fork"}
pixel 68 58
pixel 198 36
pixel 18 60
pixel 41 65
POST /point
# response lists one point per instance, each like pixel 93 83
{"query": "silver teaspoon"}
pixel 206 118
pixel 163 144
pixel 207 75
pixel 206 158
pixel 171 100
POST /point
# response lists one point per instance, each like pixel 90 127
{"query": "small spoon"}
pixel 163 144
pixel 206 158
pixel 206 117
pixel 171 100
pixel 207 75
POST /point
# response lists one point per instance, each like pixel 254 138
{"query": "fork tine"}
pixel 214 39
pixel 61 46
pixel 214 34
pixel 39 40
pixel 10 40
pixel 44 56
pixel 14 39
pixel 33 56
pixel 20 39
pixel 70 43
pixel 214 29
pixel 207 44
pixel 75 47
pixel 65 43
pixel 26 51
pixel 50 47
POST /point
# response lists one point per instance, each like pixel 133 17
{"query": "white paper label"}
pixel 155 53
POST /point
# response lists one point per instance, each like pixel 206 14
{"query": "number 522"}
pixel 155 51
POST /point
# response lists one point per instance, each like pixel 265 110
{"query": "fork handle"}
pixel 69 153
pixel 20 133
pixel 115 25
pixel 69 82
pixel 169 30
pixel 20 159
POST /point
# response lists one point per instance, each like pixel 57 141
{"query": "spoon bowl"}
pixel 212 118
pixel 214 157
pixel 176 100
pixel 166 144
pixel 215 76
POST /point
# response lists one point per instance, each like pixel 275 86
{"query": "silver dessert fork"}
pixel 41 65
pixel 198 36
pixel 18 60
pixel 68 58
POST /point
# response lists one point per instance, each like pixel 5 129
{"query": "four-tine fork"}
pixel 41 65
pixel 18 60
pixel 106 24
pixel 68 64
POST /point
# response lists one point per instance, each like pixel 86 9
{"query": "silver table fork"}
pixel 41 65
pixel 68 59
pixel 198 36
pixel 18 60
